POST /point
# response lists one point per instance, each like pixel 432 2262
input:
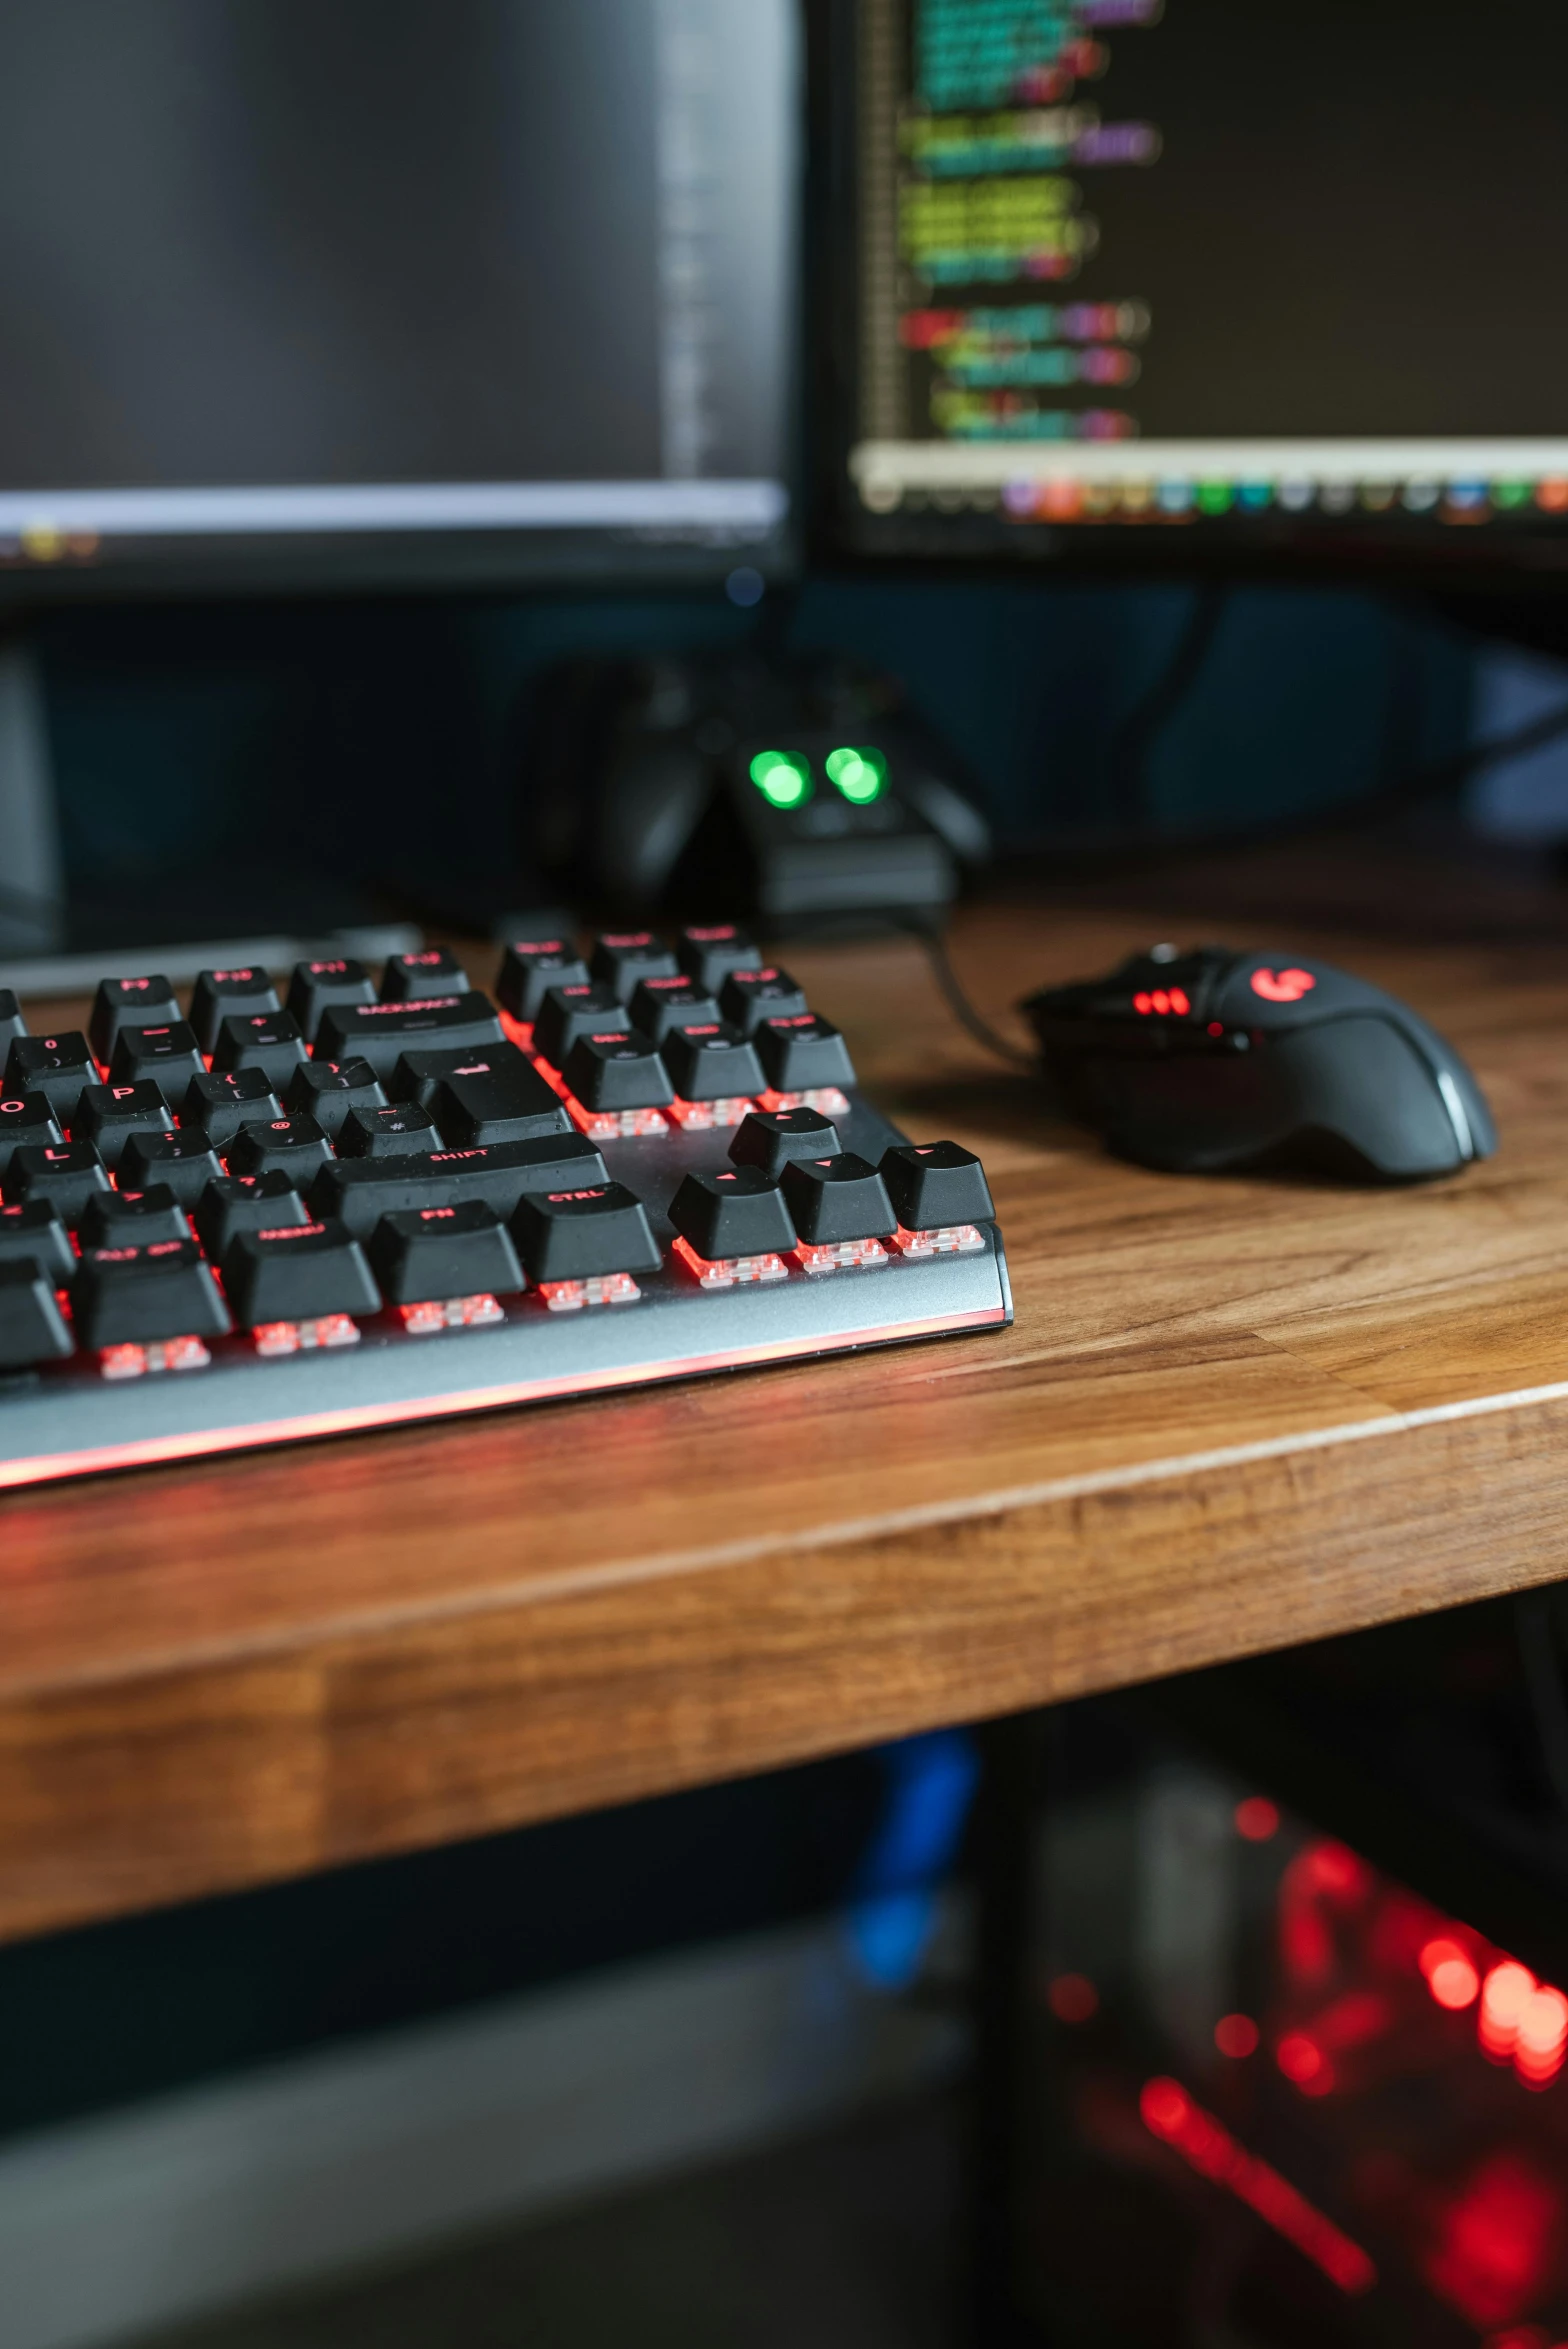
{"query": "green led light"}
pixel 860 774
pixel 1214 497
pixel 782 776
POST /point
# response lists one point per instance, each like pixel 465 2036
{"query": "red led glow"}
pixel 1162 1001
pixel 1170 2114
pixel 1505 1993
pixel 1236 2036
pixel 728 1272
pixel 1256 1818
pixel 1282 986
pixel 1449 1974
pixel 1496 2240
pixel 1072 1998
pixel 1304 2064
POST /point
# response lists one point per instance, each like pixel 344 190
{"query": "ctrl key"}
pixel 582 1247
pixel 32 1327
pixel 296 1286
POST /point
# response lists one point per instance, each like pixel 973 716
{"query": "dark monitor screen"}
pixel 1221 272
pixel 394 284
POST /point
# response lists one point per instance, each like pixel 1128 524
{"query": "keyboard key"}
pixel 168 1055
pixel 34 1234
pixel 617 1072
pixel 317 985
pixel 401 1130
pixel 709 951
pixel 65 1173
pixel 222 995
pixel 115 1219
pixel 359 1191
pixel 129 1003
pixel 428 1253
pixel 578 1010
pixel 419 1076
pixel 834 1199
pixel 268 1040
pixel 736 1212
pixel 621 957
pixel 56 1066
pixel 659 1006
pixel 409 978
pixel 28 1118
pixel 486 1099
pixel 749 997
pixel 11 1020
pixel 770 1138
pixel 934 1185
pixel 578 1234
pixel 32 1327
pixel 135 1296
pixel 245 1203
pixel 297 1273
pixel 530 966
pixel 291 1146
pixel 382 1032
pixel 108 1115
pixel 220 1103
pixel 803 1054
pixel 186 1162
pixel 328 1089
pixel 712 1063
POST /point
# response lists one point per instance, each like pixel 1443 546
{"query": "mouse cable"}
pixel 958 1002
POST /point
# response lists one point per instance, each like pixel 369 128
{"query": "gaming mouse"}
pixel 1210 1061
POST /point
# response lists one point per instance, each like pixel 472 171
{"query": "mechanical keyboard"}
pixel 259 1215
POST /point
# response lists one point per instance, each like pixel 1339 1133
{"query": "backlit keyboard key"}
pixel 133 1003
pixel 34 1234
pixel 56 1066
pixel 185 1161
pixel 736 1212
pixel 115 1219
pixel 936 1184
pixel 712 1063
pixel 11 1020
pixel 489 1100
pixel 327 1090
pixel 836 1199
pixel 621 958
pixel 410 978
pixel 804 1055
pixel 138 1295
pixel 32 1327
pixel 770 1138
pixel 659 1006
pixel 291 1146
pixel 108 1115
pixel 529 967
pixel 168 1055
pixel 709 951
pixel 65 1173
pixel 569 1012
pixel 316 986
pixel 429 1254
pixel 293 1274
pixel 266 1040
pixel 583 1233
pixel 382 1032
pixel 245 1203
pixel 221 995
pixel 359 1191
pixel 220 1103
pixel 748 997
pixel 401 1130
pixel 28 1118
pixel 614 1073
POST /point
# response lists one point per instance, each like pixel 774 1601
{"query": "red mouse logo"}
pixel 1282 986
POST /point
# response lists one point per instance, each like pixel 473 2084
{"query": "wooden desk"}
pixel 1232 1415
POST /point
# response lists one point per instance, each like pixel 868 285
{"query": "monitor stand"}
pixel 32 872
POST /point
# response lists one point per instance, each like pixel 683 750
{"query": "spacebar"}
pixel 359 1191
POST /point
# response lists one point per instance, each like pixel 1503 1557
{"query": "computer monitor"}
pixel 1193 280
pixel 306 292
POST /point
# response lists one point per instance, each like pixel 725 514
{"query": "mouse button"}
pixel 1362 1078
pixel 1281 990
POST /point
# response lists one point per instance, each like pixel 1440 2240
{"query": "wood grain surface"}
pixel 1232 1415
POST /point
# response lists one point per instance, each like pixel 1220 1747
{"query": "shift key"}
pixel 359 1191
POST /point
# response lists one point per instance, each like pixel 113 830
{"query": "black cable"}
pixel 1127 758
pixel 958 1002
